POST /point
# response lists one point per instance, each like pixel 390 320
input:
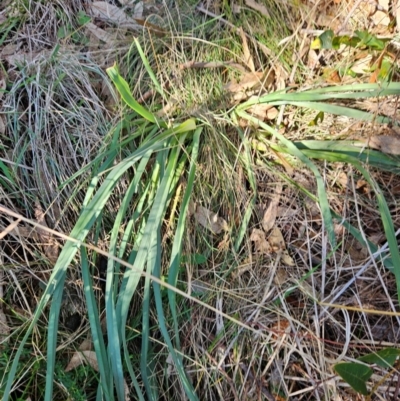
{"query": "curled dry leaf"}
pixel 249 81
pixel 284 211
pixel 278 245
pixel 386 144
pixel 287 259
pixel 50 246
pixel 103 10
pixel 4 329
pixel 271 211
pixel 258 7
pixel 246 51
pixel 86 345
pixel 276 240
pixel 2 125
pixel 80 357
pixel 100 33
pixel 263 111
pixel 261 245
pixel 210 220
pixel 281 277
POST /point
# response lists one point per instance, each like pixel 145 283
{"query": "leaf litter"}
pixel 210 220
pixel 270 240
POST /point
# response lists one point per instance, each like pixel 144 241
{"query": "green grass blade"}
pixel 114 339
pixel 342 111
pixel 177 245
pixel 114 343
pixel 339 150
pixel 52 336
pixel 125 92
pixel 189 390
pixel 96 331
pixel 149 69
pixel 150 238
pixel 361 91
pixel 80 231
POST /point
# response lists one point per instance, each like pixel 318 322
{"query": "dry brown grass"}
pixel 60 107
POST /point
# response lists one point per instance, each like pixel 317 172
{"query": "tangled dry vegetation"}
pixel 255 247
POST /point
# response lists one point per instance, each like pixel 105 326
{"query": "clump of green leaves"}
pixel 357 374
pixel 361 40
pixel 365 43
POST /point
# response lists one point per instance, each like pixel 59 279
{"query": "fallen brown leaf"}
pixel 276 240
pixel 386 144
pixel 2 125
pixel 280 277
pixel 287 259
pixel 261 245
pixel 4 328
pixel 271 211
pixel 246 51
pixel 50 246
pixel 248 81
pixel 263 111
pixel 100 33
pixel 80 357
pixel 258 7
pixel 210 220
pixel 106 11
pixel 86 345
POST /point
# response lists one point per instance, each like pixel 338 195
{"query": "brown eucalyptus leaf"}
pixel 272 209
pixel 276 240
pixel 80 357
pixel 261 245
pixel 210 220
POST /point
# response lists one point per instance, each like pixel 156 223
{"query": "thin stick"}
pixel 212 64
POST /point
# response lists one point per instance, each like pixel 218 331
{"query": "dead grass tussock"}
pixel 57 122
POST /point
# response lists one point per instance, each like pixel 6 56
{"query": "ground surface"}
pixel 268 305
